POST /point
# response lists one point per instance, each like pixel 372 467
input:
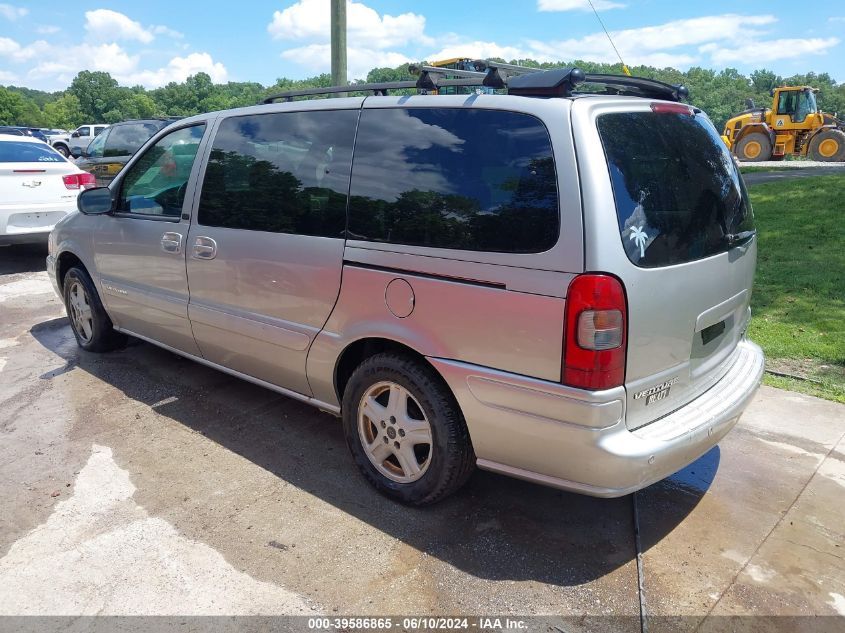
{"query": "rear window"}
pixel 679 196
pixel 478 180
pixel 16 152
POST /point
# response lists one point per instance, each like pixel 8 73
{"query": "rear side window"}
pixel 479 180
pixel 679 196
pixel 286 172
pixel 125 140
pixel 22 152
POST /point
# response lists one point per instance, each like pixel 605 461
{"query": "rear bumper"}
pixel 28 224
pixel 578 441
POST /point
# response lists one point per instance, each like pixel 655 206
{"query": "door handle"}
pixel 204 248
pixel 171 242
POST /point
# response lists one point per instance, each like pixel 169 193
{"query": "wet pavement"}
pixel 138 482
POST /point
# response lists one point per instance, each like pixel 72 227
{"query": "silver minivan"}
pixel 551 286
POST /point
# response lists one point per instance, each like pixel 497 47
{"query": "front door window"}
pixel 155 185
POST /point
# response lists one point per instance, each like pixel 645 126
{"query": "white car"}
pixel 38 187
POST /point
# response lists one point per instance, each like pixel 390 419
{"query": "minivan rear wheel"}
pixel 91 326
pixel 405 430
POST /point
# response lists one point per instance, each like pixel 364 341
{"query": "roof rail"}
pixel 518 80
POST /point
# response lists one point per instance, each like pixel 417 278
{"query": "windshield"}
pixel 679 196
pixel 806 105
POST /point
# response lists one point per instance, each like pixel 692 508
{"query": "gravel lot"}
pixel 141 483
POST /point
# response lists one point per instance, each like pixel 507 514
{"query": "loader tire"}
pixel 828 146
pixel 754 147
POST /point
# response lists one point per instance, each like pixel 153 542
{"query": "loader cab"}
pixel 793 106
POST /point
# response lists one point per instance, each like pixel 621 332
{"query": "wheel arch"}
pixel 751 128
pixel 360 350
pixel 64 262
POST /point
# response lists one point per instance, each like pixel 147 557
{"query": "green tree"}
pixel 65 112
pixel 15 109
pixel 97 93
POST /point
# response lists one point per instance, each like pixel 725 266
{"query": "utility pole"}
pixel 338 29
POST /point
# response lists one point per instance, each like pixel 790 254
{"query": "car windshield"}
pixel 679 196
pixel 20 152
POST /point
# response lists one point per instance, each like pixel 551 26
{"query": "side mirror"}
pixel 76 152
pixel 75 135
pixel 96 201
pixel 749 103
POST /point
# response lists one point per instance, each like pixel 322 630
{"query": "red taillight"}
pixel 595 333
pixel 672 108
pixel 79 181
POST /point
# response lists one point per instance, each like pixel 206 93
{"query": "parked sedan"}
pixel 38 187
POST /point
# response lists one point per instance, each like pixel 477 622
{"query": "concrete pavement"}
pixel 138 482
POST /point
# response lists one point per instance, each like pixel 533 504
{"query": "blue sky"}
pixel 43 44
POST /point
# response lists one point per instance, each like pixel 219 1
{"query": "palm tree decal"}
pixel 639 236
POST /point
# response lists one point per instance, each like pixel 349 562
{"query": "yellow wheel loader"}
pixel 793 126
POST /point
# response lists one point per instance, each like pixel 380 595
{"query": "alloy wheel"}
pixel 394 432
pixel 80 312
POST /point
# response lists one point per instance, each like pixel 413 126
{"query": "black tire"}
pixel 62 149
pixel 102 336
pixel 452 459
pixel 828 146
pixel 755 141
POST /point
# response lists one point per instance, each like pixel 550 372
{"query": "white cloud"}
pixel 160 29
pixel 108 26
pixel 764 51
pixel 7 77
pixel 67 62
pixel 482 50
pixel 48 29
pixel 17 53
pixel 652 45
pixel 369 36
pixel 8 46
pixel 310 20
pixel 576 5
pixel 12 13
pixel 836 18
pixel 359 61
pixel 60 64
pixel 178 69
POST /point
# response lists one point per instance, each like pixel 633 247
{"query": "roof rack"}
pixel 382 89
pixel 517 80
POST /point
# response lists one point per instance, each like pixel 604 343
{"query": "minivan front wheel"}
pixel 405 430
pixel 91 326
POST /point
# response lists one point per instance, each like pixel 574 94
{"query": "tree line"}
pixel 96 97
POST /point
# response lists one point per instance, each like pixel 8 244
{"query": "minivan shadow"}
pixel 495 528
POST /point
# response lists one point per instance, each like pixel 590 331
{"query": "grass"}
pixel 799 293
pixel 745 169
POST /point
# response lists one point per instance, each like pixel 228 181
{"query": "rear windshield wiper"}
pixel 734 239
